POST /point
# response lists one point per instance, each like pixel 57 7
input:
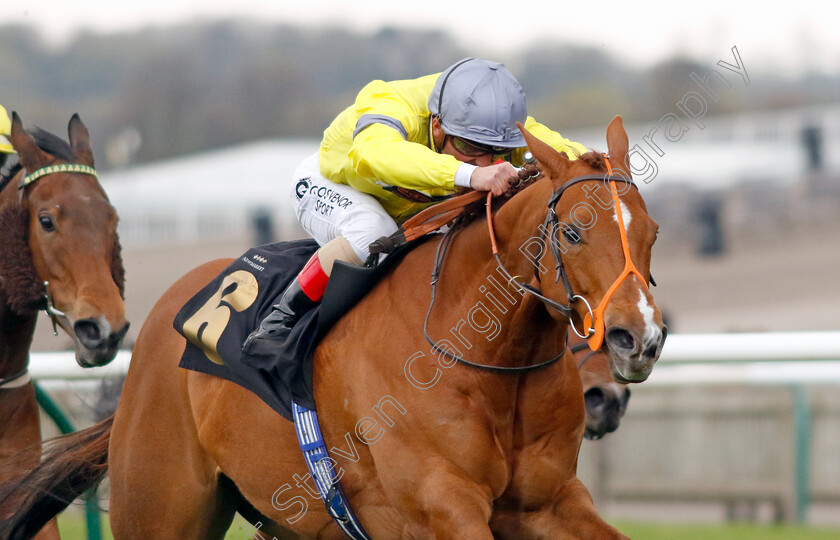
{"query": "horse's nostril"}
pixel 620 338
pixel 651 351
pixel 90 333
pixel 115 338
pixel 594 398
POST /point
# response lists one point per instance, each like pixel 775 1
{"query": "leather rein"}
pixel 549 234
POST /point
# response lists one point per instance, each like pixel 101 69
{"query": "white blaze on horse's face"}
pixel 634 341
pixel 625 215
pixel 653 334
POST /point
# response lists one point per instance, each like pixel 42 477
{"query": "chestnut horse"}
pixel 58 229
pixel 425 447
pixel 605 400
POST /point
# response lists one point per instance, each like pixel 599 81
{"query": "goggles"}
pixel 8 166
pixel 474 149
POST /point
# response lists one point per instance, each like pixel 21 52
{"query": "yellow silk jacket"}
pixel 384 138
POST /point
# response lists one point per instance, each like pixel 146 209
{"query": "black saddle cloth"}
pixel 218 319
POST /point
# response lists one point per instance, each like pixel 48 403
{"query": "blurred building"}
pixel 233 194
pixel 784 163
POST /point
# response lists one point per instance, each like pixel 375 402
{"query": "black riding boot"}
pixel 301 295
pixel 278 324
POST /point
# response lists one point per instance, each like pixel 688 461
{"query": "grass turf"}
pixel 72 527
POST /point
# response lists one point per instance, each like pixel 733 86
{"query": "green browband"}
pixel 52 169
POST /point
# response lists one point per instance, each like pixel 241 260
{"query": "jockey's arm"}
pixel 380 151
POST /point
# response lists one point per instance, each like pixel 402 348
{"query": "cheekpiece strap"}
pixel 53 169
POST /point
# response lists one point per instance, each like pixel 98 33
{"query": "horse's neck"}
pixel 524 333
pixel 16 333
pixel 8 193
pixel 16 330
pixel 520 330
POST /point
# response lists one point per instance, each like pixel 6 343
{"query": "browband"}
pixel 53 169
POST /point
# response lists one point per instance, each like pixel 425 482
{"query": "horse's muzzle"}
pixel 605 405
pixel 97 345
pixel 632 356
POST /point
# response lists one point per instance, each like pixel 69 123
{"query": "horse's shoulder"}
pixel 188 285
pixel 201 275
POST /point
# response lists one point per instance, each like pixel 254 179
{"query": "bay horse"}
pixel 59 252
pixel 425 447
pixel 605 400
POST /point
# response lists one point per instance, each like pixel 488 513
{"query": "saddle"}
pixel 218 319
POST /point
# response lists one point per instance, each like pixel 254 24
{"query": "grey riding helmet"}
pixel 480 101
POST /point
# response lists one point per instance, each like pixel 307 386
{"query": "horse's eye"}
pixel 46 223
pixel 571 235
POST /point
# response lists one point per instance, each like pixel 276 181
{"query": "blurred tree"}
pixel 210 84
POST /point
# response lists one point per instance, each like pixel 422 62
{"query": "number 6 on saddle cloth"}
pixel 218 319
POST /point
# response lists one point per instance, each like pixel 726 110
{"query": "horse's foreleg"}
pixel 439 503
pixel 571 516
pixel 21 436
pixel 163 483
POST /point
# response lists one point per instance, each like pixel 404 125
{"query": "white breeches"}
pixel 327 210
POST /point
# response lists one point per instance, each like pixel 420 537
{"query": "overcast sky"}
pixel 789 37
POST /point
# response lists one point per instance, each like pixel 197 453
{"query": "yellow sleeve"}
pixel 400 157
pixel 380 152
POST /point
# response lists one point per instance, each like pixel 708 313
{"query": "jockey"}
pixel 6 150
pixel 402 146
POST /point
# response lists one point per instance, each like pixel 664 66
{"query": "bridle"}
pixel 594 319
pixel 549 231
pixel 23 377
pixel 29 179
pixel 580 346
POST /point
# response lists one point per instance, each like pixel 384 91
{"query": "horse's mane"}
pixel 52 144
pixel 592 158
pixel 19 279
pixel 49 143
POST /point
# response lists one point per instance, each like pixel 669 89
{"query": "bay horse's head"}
pixel 601 238
pixel 59 244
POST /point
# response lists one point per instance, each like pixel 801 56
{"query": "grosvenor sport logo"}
pixel 302 187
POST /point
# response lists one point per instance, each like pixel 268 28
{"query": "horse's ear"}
pixel 31 157
pixel 551 160
pixel 618 145
pixel 80 140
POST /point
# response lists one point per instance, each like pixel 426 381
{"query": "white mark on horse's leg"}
pixel 625 215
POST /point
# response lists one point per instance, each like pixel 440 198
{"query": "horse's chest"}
pixel 549 429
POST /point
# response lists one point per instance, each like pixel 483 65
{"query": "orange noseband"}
pixel 596 339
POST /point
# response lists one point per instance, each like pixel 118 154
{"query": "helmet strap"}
pixel 432 142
